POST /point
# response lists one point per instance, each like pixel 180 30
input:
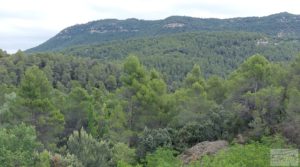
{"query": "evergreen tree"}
pixel 39 110
pixel 88 150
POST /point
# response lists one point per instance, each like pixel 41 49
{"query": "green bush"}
pixel 249 155
pixel 18 146
pixel 162 157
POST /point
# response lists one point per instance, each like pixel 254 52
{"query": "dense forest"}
pixel 218 53
pixel 61 110
pixel 138 93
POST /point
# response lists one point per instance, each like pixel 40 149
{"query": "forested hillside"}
pixel 218 53
pixel 172 46
pixel 138 93
pixel 60 110
pixel 281 25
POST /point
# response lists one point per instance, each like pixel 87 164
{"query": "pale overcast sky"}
pixel 27 23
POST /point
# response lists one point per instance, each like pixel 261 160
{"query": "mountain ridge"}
pixel 281 25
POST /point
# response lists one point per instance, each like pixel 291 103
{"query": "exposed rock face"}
pixel 173 25
pixel 204 148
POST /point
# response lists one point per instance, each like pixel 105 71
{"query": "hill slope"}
pixel 278 25
pixel 218 53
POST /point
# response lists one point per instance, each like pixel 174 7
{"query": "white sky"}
pixel 27 23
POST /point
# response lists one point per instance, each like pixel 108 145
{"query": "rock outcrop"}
pixel 204 148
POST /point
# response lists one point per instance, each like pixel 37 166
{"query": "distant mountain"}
pixel 281 25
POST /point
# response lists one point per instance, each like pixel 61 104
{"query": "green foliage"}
pixel 276 141
pixel 253 99
pixel 61 71
pixel 253 74
pixel 249 155
pixel 193 77
pixel 18 145
pixel 35 85
pixel 216 89
pixel 88 150
pixel 254 154
pixel 162 157
pixel 111 83
pixel 134 73
pixel 268 109
pixel 150 140
pixel 196 116
pixel 129 112
pixel 193 133
pixel 43 159
pixel 218 53
pixel 191 101
pixel 92 122
pixel 123 164
pixel 291 125
pixel 116 127
pixel 39 110
pixel 122 154
pixel 77 110
pixel 7 113
pixel 143 96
